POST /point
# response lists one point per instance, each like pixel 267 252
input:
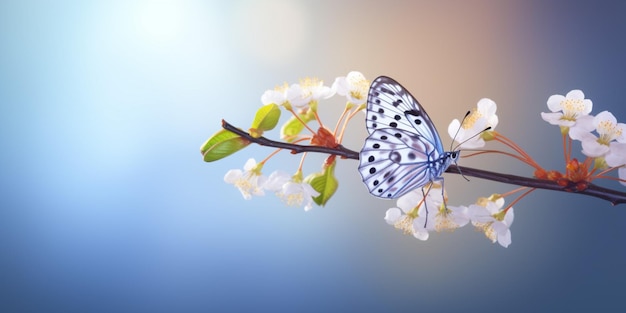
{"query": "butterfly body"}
pixel 403 150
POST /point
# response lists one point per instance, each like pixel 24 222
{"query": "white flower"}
pixel 292 190
pixel 250 181
pixel 281 95
pixel 487 217
pixel 354 87
pixel 566 111
pixel 276 180
pixel 483 116
pixel 407 216
pixel 608 130
pixel 310 91
pixel 616 155
pixel 413 219
pixel 451 217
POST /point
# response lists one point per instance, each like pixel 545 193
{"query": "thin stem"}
pixel 613 196
pixel 566 148
pixel 601 174
pixel 345 124
pixel 345 111
pixel 317 117
pixel 570 147
pixel 516 148
pixel 500 152
pixel 520 198
pixel 270 156
pixel 301 121
pixel 301 162
pixel 508 193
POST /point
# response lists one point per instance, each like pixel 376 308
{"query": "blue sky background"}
pixel 106 204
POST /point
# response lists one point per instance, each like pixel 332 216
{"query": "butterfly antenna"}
pixel 459 129
pixel 470 138
pixel 464 141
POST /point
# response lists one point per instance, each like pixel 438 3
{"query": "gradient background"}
pixel 106 204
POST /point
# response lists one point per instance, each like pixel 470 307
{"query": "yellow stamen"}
pixel 405 225
pixel 471 119
pixel 486 228
pixel 294 199
pixel 572 108
pixel 608 131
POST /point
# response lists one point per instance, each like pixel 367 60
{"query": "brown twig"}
pixel 613 196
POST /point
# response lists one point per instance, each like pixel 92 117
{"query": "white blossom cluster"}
pixel 601 136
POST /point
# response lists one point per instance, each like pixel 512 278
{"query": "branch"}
pixel 613 196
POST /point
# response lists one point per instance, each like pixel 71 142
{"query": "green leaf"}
pixel 294 126
pixel 324 182
pixel 266 117
pixel 222 144
pixel 291 128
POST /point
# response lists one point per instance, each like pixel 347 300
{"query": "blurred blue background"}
pixel 107 206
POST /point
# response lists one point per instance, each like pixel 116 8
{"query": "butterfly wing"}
pixel 389 105
pixel 404 150
pixel 394 162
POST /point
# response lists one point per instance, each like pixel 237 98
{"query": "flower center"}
pixel 471 119
pixel 608 131
pixel 486 228
pixel 294 199
pixel 405 224
pixel 247 184
pixel 572 108
pixel 357 94
pixel 445 223
pixel 282 88
pixel 360 86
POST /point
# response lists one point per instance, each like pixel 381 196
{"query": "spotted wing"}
pixel 395 161
pixel 389 105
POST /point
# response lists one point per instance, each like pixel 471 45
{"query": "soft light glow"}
pixel 161 20
pixel 271 31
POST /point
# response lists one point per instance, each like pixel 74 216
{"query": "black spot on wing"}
pixel 395 157
pixel 413 112
pixel 387 91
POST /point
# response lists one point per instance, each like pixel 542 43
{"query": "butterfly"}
pixel 403 151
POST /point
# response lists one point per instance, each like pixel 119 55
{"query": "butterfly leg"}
pixel 424 194
pixel 443 198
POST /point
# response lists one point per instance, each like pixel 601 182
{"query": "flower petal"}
pixel 575 94
pixel 421 235
pixel 504 239
pixel 232 176
pixel 453 128
pixel 276 180
pixel 250 164
pixel 616 155
pixel 410 200
pixel 554 103
pixel 593 149
pixel 393 215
